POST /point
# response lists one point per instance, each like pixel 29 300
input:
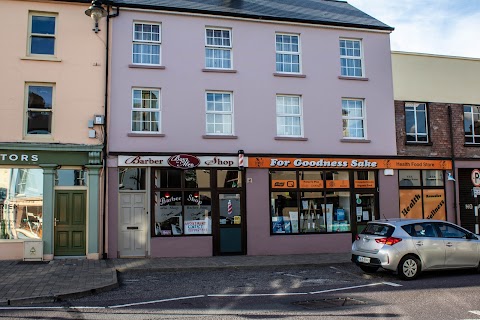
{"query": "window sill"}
pixel 220 70
pixel 352 78
pixel 291 138
pixel 146 66
pixel 212 136
pixel 40 58
pixel 355 140
pixel 134 134
pixel 289 75
pixel 472 145
pixel 420 144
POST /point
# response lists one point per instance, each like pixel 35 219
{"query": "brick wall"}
pixel 439 133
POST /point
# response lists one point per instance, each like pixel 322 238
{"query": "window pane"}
pixel 197 178
pixel 42 45
pixel 432 178
pixel 168 178
pixel 409 178
pixel 198 212
pixel 66 177
pixel 229 179
pixel 132 179
pixel 43 25
pixel 40 97
pixel 168 213
pixel 39 122
pixel 284 212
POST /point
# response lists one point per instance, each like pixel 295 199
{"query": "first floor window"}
pixel 422 194
pixel 219 113
pixel 39 108
pixel 287 49
pixel 42 34
pixel 353 117
pixel 289 116
pixel 218 49
pixel 351 58
pixel 146 110
pixel 146 43
pixel 416 122
pixel 471 124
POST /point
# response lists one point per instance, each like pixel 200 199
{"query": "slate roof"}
pixel 323 12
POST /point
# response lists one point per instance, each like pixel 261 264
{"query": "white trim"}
pixel 150 110
pixel 30 34
pixel 361 58
pixel 219 47
pixel 231 113
pixel 26 135
pixel 363 118
pixel 292 53
pixel 148 42
pixel 277 115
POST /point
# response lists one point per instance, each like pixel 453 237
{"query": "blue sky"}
pixel 444 27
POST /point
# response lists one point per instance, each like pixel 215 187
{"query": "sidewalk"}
pixel 24 283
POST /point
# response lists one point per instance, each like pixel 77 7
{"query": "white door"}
pixel 132 225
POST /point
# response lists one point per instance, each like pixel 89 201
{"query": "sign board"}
pixel 475 176
pixel 476 191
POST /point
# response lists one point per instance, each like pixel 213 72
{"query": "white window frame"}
pixel 219 48
pixel 416 134
pixel 471 119
pixel 347 117
pixel 32 14
pixel 291 53
pixel 349 57
pixel 157 110
pixel 149 43
pixel 27 109
pixel 223 112
pixel 281 114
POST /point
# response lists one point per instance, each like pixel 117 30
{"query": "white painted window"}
pixel 471 124
pixel 41 34
pixel 287 48
pixel 146 43
pixel 351 58
pixel 416 122
pixel 353 117
pixel 40 100
pixel 146 110
pixel 289 116
pixel 218 48
pixel 219 107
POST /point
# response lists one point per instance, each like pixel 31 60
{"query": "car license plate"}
pixel 363 259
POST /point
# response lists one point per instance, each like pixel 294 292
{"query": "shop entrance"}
pixel 229 238
pixel 364 211
pixel 132 224
pixel 70 223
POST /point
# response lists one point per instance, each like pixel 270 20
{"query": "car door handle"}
pixel 449 244
pixel 419 243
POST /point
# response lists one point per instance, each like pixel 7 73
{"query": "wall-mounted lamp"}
pixel 96 12
pixel 450 176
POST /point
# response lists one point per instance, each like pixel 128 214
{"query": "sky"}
pixel 443 27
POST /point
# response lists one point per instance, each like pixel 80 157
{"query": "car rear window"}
pixel 378 229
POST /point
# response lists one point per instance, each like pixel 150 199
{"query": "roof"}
pixel 322 12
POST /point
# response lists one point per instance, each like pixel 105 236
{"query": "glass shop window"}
pixel 131 179
pixel 229 179
pixel 66 177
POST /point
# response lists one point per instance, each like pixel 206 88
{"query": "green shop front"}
pixel 50 201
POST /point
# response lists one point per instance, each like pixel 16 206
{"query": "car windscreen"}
pixel 378 229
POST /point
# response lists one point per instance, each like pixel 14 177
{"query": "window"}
pixel 422 194
pixel 353 117
pixel 131 179
pixel 42 34
pixel 146 43
pixel 39 109
pixel 67 177
pixel 218 49
pixel 471 123
pixel 289 116
pixel 416 122
pixel 146 110
pixel 351 58
pixel 219 113
pixel 287 48
pixel 449 231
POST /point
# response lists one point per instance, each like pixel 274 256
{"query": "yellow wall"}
pixel 79 76
pixel 433 78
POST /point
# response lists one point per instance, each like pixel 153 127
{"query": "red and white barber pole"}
pixel 229 207
pixel 241 155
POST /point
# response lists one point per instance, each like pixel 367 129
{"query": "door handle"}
pixel 419 243
pixel 55 222
pixel 449 244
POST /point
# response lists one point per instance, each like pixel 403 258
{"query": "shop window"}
pixel 168 178
pixel 229 179
pixel 131 179
pixel 337 179
pixel 21 204
pixel 422 194
pixel 66 177
pixel 364 179
pixel 197 178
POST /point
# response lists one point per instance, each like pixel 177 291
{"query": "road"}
pixel 328 292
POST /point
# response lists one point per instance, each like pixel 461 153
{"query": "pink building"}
pixel 253 127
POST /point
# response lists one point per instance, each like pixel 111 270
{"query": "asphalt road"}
pixel 329 292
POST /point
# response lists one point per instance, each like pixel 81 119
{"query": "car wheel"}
pixel 409 268
pixel 368 269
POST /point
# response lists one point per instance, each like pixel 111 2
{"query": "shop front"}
pixel 178 205
pixel 51 196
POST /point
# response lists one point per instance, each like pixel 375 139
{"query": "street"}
pixel 340 291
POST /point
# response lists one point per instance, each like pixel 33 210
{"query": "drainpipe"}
pixel 453 162
pixel 105 133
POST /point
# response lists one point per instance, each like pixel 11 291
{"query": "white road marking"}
pixel 347 288
pixel 154 301
pixel 475 312
pixel 393 284
pixel 29 308
pixel 257 294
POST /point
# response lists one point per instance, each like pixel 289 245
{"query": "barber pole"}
pixel 240 159
pixel 229 207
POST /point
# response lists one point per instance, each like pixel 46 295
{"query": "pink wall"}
pixel 183 86
pixel 79 84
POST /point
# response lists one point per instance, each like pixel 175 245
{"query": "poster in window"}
pixel 434 204
pixel 411 204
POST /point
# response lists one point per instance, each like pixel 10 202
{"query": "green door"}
pixel 70 222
